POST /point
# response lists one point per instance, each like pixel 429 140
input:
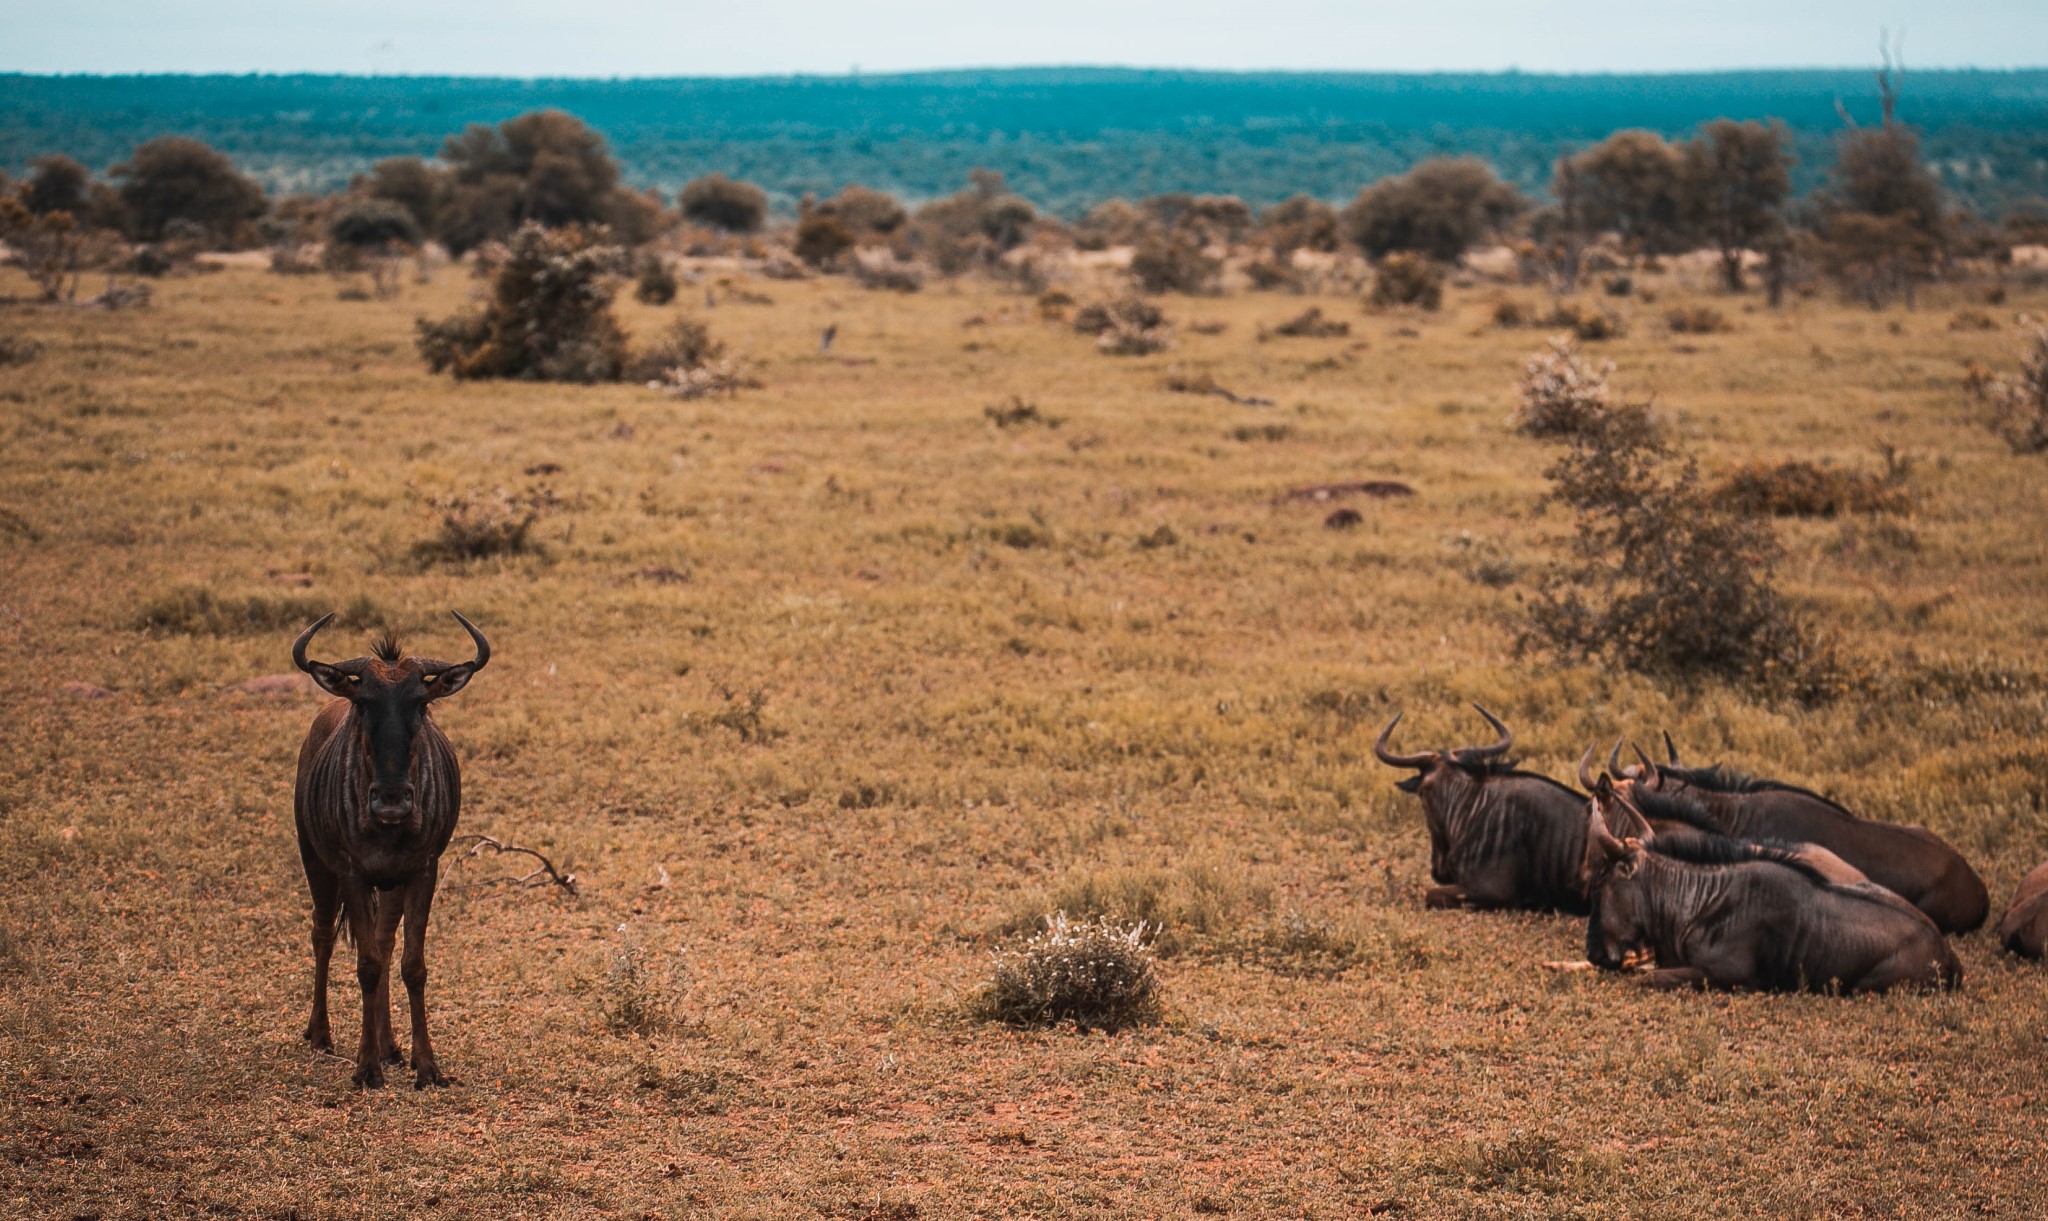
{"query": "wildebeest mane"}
pixel 385 646
pixel 1720 778
pixel 1704 844
pixel 1670 807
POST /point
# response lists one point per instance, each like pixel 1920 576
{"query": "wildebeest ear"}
pixel 1604 787
pixel 1412 784
pixel 333 681
pixel 442 681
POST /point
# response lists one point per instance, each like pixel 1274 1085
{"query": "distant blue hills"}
pixel 1065 137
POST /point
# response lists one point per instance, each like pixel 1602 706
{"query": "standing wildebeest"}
pixel 1910 861
pixel 1498 837
pixel 377 798
pixel 1763 920
pixel 2023 929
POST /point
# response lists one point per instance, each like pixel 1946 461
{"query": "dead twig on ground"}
pixel 478 844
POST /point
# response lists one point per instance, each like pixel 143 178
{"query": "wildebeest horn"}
pixel 1614 759
pixel 306 638
pixel 483 647
pixel 1507 739
pixel 1423 759
pixel 1649 768
pixel 1596 828
pixel 1670 748
pixel 1586 768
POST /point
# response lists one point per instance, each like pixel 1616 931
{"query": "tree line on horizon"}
pixel 1880 223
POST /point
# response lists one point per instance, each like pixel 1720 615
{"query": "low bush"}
pixel 718 379
pixel 1408 278
pixel 478 523
pixel 1126 326
pixel 1174 264
pixel 1311 324
pixel 1697 320
pixel 2019 404
pixel 1559 393
pixel 685 343
pixel 1587 323
pixel 882 270
pixel 642 995
pixel 1095 974
pixel 656 282
pixel 1510 314
pixel 1807 489
pixel 18 350
pixel 195 610
pixel 1972 320
pixel 1016 413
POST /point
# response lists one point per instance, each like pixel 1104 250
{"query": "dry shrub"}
pixel 685 343
pixel 1017 413
pixel 1192 904
pixel 1559 394
pixel 1311 324
pixel 1807 489
pixel 719 379
pixel 1094 973
pixel 656 283
pixel 1174 265
pixel 1274 274
pixel 1972 320
pixel 1408 278
pixel 1587 322
pixel 18 350
pixel 1510 314
pixel 549 316
pixel 1697 320
pixel 481 523
pixel 641 995
pixel 1664 580
pixel 2019 404
pixel 1125 326
pixel 884 271
pixel 195 610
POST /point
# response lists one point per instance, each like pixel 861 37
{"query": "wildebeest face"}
pixel 390 694
pixel 1611 875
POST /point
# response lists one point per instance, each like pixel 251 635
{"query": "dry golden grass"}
pixel 818 687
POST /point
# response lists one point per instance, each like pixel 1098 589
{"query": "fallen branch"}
pixel 547 874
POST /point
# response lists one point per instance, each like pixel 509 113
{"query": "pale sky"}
pixel 748 37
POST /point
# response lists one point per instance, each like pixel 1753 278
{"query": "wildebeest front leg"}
pixel 419 899
pixel 1444 896
pixel 390 909
pixel 1671 979
pixel 370 967
pixel 326 890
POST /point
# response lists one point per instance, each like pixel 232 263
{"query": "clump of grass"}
pixel 1808 489
pixel 2019 404
pixel 1125 326
pixel 641 995
pixel 18 350
pixel 720 379
pixel 1407 278
pixel 1311 324
pixel 1697 320
pixel 1016 413
pixel 479 523
pixel 1972 320
pixel 742 713
pixel 685 343
pixel 1508 314
pixel 1560 393
pixel 655 284
pixel 1196 902
pixel 1262 432
pixel 195 610
pixel 1095 973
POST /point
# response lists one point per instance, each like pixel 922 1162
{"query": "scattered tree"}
pixel 1737 176
pixel 1631 184
pixel 58 184
pixel 172 179
pixel 722 203
pixel 548 318
pixel 1440 208
pixel 1299 222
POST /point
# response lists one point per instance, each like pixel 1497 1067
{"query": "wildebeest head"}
pixel 390 693
pixel 1617 843
pixel 1435 767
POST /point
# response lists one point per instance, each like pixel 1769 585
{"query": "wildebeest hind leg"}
pixel 1670 979
pixel 1444 896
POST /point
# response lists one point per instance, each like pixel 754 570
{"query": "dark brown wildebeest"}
pixel 2023 930
pixel 377 798
pixel 1765 919
pixel 1498 836
pixel 1912 862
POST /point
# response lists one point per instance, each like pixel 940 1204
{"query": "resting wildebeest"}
pixel 1912 862
pixel 2024 928
pixel 377 798
pixel 1498 837
pixel 1765 919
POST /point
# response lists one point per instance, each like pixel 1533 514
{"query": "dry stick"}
pixel 567 881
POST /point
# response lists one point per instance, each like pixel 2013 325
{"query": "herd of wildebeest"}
pixel 1696 876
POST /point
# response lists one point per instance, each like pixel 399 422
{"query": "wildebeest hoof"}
pixel 422 1078
pixel 370 1077
pixel 318 1040
pixel 393 1056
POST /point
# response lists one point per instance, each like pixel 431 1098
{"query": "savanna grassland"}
pixel 825 691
